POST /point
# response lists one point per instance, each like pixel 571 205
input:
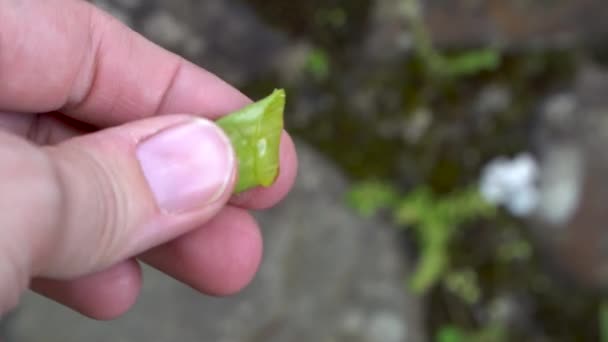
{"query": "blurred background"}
pixel 452 173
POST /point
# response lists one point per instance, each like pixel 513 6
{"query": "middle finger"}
pixel 219 259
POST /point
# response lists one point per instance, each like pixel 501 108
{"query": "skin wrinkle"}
pixel 170 85
pixel 59 212
pixel 106 211
pixel 114 98
pixel 91 75
pixel 111 212
pixel 91 70
pixel 35 128
pixel 92 46
pixel 61 30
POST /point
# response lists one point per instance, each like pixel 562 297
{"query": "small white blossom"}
pixel 511 183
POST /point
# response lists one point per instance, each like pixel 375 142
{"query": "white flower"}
pixel 511 183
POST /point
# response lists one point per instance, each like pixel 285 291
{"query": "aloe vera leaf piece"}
pixel 255 134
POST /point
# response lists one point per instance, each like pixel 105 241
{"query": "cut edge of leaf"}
pixel 273 118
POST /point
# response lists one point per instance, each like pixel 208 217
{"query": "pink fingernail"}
pixel 187 166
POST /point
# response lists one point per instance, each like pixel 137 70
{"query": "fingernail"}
pixel 187 166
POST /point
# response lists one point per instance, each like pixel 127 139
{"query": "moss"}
pixel 328 23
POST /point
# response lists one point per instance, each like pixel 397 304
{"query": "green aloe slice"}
pixel 255 134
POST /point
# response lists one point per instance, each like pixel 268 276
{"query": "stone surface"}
pixel 225 37
pixel 510 25
pixel 571 139
pixel 327 275
pixel 517 24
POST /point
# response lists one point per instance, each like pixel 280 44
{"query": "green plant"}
pixel 371 196
pixel 318 64
pixel 450 333
pixel 466 63
pixel 603 321
pixel 333 17
pixel 435 219
pixel 464 284
pixel 489 333
pixel 255 133
pixel 442 65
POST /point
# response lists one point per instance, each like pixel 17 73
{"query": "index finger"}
pixel 67 55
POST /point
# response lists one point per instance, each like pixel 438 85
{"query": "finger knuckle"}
pixel 106 212
pixel 90 214
pixel 112 211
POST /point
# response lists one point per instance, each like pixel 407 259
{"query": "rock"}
pixel 493 99
pixel 510 25
pixel 516 24
pixel 389 37
pixel 165 29
pixel 327 275
pixel 224 36
pixel 5 327
pixel 571 140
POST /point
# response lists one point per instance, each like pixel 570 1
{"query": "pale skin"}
pixel 98 171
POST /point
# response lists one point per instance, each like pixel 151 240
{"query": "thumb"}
pixel 94 200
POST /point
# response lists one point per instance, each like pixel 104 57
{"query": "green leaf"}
pixel 368 197
pixel 450 333
pixel 433 262
pixel 318 64
pixel 603 320
pixel 255 134
pixel 469 63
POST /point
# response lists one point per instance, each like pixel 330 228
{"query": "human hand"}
pixel 103 165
